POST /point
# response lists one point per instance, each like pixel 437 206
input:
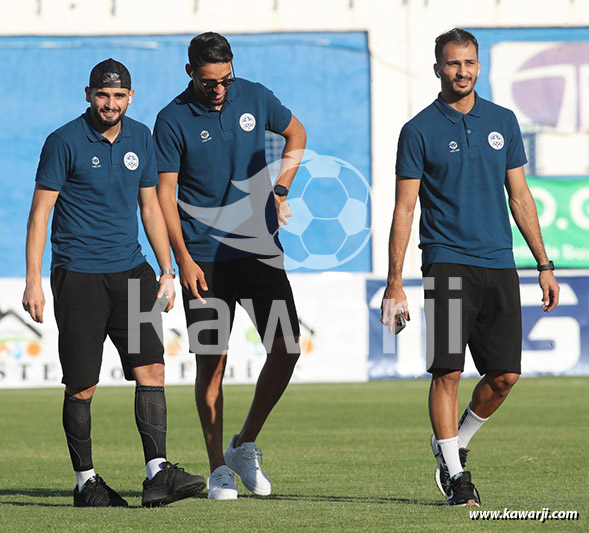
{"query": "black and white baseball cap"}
pixel 110 73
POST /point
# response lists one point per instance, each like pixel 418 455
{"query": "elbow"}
pixel 303 134
pixel 404 211
pixel 296 134
pixel 521 204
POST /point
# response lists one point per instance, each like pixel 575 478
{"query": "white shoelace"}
pixel 254 456
pixel 224 479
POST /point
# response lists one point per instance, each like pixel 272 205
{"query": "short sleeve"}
pixel 410 153
pixel 168 147
pixel 54 163
pixel 516 154
pixel 277 115
pixel 149 176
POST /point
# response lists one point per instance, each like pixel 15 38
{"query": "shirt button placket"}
pixel 470 136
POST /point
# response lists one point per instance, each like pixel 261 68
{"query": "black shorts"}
pixel 475 306
pixel 88 307
pixel 262 290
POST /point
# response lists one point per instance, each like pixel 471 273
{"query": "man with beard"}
pixel 94 170
pixel 459 155
pixel 210 143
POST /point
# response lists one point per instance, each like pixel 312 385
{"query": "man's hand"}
pixel 167 288
pixel 33 301
pixel 550 290
pixel 282 210
pixel 394 300
pixel 191 276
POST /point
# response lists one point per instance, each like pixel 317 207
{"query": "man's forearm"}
pixel 526 217
pixel 35 245
pixel 398 241
pixel 172 218
pixel 155 229
pixel 291 158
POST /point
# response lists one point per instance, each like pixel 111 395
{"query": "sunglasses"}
pixel 211 85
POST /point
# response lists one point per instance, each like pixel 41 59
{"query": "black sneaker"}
pixel 462 492
pixel 96 493
pixel 442 476
pixel 169 485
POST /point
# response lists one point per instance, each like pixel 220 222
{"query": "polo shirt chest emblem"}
pixel 453 146
pixel 95 162
pixel 131 160
pixel 496 140
pixel 247 122
pixel 205 136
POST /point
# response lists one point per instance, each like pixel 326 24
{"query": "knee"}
pixel 501 384
pixel 446 380
pixel 80 393
pixel 287 351
pixel 210 370
pixel 157 374
pixel 150 375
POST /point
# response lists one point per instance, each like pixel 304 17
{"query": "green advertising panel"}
pixel 563 210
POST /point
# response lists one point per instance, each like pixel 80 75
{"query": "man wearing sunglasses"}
pixel 210 144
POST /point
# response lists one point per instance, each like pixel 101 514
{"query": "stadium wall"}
pixel 376 57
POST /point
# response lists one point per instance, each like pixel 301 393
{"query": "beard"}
pixel 210 99
pixel 107 123
pixel 461 93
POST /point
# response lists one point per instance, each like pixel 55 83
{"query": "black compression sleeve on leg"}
pixel 150 416
pixel 76 423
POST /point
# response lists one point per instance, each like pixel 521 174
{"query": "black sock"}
pixel 150 416
pixel 76 423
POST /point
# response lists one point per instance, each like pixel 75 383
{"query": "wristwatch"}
pixel 169 271
pixel 280 190
pixel 547 266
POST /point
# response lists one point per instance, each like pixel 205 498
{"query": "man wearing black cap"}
pixel 93 170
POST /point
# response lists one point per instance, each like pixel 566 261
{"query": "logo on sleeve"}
pixel 131 160
pixel 95 162
pixel 453 145
pixel 247 122
pixel 496 140
pixel 205 136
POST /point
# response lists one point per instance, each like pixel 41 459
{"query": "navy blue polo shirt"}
pixel 211 151
pixel 95 227
pixel 461 160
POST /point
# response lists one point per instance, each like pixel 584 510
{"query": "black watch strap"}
pixel 280 190
pixel 547 266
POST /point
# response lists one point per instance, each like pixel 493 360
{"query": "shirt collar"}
pixel 454 116
pixel 94 136
pixel 188 97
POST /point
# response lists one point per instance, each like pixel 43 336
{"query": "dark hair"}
pixel 457 36
pixel 209 47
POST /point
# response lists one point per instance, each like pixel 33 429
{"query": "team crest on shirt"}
pixel 131 160
pixel 205 136
pixel 453 145
pixel 247 122
pixel 95 162
pixel 496 140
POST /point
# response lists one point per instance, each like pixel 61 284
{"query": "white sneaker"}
pixel 245 460
pixel 221 484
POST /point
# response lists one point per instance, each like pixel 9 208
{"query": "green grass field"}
pixel 341 457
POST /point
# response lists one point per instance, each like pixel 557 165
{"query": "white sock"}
pixel 84 476
pixel 469 424
pixel 153 466
pixel 450 454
